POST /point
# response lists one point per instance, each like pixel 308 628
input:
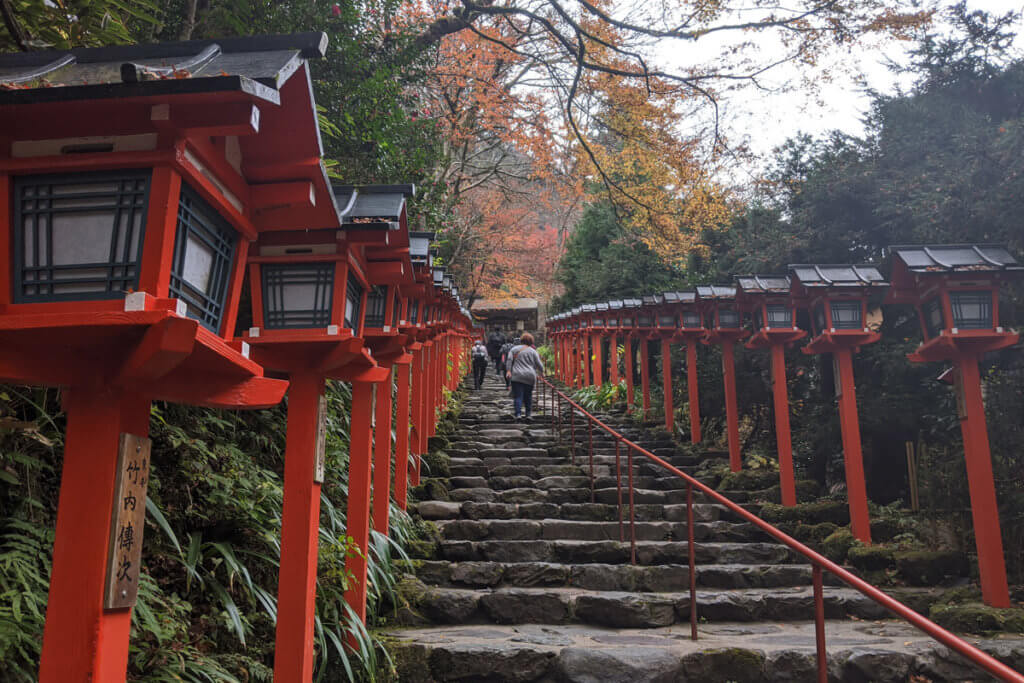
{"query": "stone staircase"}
pixel 530 578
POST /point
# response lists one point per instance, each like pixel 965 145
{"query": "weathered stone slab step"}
pixel 559 529
pixel 435 510
pixel 884 652
pixel 615 552
pixel 623 609
pixel 612 577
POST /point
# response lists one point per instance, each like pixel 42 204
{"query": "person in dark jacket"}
pixel 479 354
pixel 494 343
pixel 504 357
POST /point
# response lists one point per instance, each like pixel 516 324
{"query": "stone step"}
pixel 608 496
pixel 438 510
pixel 883 651
pixel 610 577
pixel 558 529
pixel 623 609
pixel 616 552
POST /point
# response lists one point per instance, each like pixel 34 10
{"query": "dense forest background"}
pixel 939 163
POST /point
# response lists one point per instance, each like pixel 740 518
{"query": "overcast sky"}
pixel 766 119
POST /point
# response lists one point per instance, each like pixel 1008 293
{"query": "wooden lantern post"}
pixel 667 321
pixel 723 322
pixel 584 316
pixel 690 330
pixel 955 289
pixel 145 184
pixel 628 325
pixel 837 298
pixel 314 303
pixel 773 322
pixel 612 322
pixel 578 352
pixel 646 327
pixel 599 330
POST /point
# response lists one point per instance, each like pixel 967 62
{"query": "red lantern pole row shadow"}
pixel 122 285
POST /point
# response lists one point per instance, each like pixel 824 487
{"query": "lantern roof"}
pixel 254 90
pixel 602 306
pixel 632 303
pixel 650 299
pixel 257 65
pixel 763 284
pixel 588 308
pixel 679 297
pixel 615 305
pixel 821 275
pixel 716 292
pixel 947 258
pixel 373 206
pixel 577 310
pixel 419 247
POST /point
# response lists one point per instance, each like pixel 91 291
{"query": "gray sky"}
pixel 763 119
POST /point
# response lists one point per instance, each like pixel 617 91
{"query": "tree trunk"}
pixel 16 30
pixel 190 20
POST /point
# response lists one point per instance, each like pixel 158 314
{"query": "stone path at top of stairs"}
pixel 531 582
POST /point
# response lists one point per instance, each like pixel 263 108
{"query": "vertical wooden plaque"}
pixel 127 521
pixel 321 440
pixel 837 376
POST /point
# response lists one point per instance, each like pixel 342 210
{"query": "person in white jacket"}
pixel 479 355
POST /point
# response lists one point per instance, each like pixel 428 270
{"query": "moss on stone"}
pixel 814 533
pixel 431 489
pixel 437 464
pixel 559 451
pixel 748 480
pixel 725 664
pixel 832 511
pixel 884 529
pixel 976 617
pixel 422 549
pixel 930 567
pixel 837 545
pixel 438 442
pixel 871 557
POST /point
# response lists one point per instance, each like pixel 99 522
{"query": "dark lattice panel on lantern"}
pixel 932 310
pixel 353 300
pixel 376 306
pixel 414 311
pixel 78 236
pixel 204 248
pixel 728 318
pixel 846 315
pixel 779 315
pixel 297 295
pixel 972 310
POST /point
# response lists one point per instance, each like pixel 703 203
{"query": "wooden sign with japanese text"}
pixel 320 446
pixel 124 555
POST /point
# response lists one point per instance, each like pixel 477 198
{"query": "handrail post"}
pixel 572 432
pixel 618 487
pixel 692 553
pixel 632 508
pixel 819 625
pixel 590 438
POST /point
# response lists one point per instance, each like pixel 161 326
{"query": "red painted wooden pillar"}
pixel 402 368
pixel 418 398
pixel 613 359
pixel 645 377
pixel 598 361
pixel 81 640
pixel 987 534
pixel 300 533
pixel 382 457
pixel 783 440
pixel 358 527
pixel 693 390
pixel 853 459
pixel 577 364
pixel 666 384
pixel 732 419
pixel 630 392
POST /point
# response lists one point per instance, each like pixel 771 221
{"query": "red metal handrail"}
pixel 819 562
